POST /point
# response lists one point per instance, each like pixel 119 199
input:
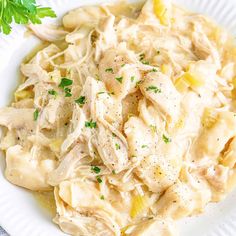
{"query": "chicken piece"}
pixel 68 165
pixel 228 158
pixel 25 118
pixel 50 33
pixel 154 227
pixel 159 89
pixel 54 113
pixel 212 140
pixel 25 171
pixel 89 15
pixel 112 149
pixel 203 47
pixel 141 138
pixel 107 36
pixel 117 71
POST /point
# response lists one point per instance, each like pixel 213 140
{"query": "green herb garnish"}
pixel 21 12
pixel 52 92
pixel 99 179
pixel 80 100
pixel 119 79
pixel 36 114
pixel 109 70
pixel 95 169
pixel 102 197
pixel 144 146
pixel 65 82
pixel 166 139
pixel 117 146
pixel 132 78
pixel 90 124
pixel 154 89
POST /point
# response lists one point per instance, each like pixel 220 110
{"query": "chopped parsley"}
pixel 145 62
pixel 80 100
pixel 52 92
pixel 154 89
pixel 95 169
pixel 119 79
pixel 132 78
pixel 67 92
pixel 117 146
pixel 102 197
pixel 90 124
pixel 99 179
pixel 141 56
pixel 166 139
pixel 123 65
pixel 65 82
pixel 154 70
pixel 109 70
pixel 144 146
pixel 113 172
pixel 113 135
pixel 153 128
pixel 36 114
pixel 101 93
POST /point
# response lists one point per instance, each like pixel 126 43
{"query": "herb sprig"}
pixel 21 12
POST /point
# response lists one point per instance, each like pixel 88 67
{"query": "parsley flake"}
pixel 141 56
pixel 117 146
pixel 109 70
pixel 90 124
pixel 36 114
pixel 80 100
pixel 102 197
pixel 132 78
pixel 144 146
pixel 52 92
pixel 95 169
pixel 119 79
pixel 113 172
pixel 154 70
pixel 166 139
pixel 65 82
pixel 154 89
pixel 99 179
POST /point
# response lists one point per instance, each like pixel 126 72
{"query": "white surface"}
pixel 20 213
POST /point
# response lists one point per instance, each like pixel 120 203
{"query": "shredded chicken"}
pixel 128 115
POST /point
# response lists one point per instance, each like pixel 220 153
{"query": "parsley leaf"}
pixel 144 146
pixel 166 139
pixel 119 79
pixel 109 70
pixel 95 169
pixel 36 114
pixel 154 89
pixel 80 100
pixel 132 78
pixel 102 197
pixel 90 124
pixel 99 179
pixel 21 12
pixel 52 92
pixel 117 146
pixel 65 82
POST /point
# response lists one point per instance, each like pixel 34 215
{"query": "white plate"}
pixel 20 213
